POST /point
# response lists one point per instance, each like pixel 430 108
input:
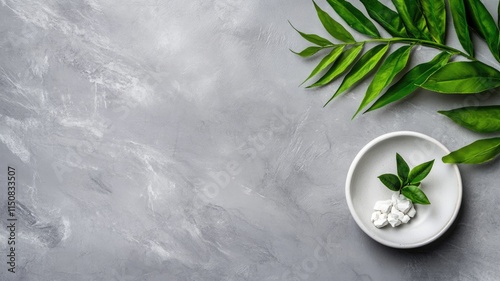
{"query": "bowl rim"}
pixel 355 215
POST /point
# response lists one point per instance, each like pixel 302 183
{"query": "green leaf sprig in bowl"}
pixel 407 181
pixel 399 209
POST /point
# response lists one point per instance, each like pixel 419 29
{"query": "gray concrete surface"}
pixel 169 140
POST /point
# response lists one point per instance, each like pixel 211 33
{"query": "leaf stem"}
pixel 416 41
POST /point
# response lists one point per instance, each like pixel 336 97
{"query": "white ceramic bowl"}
pixel 443 187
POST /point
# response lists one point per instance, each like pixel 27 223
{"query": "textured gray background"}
pixel 169 140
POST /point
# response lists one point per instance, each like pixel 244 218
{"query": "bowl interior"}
pixel 442 186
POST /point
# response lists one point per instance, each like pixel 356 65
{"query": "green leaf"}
pixel 354 18
pixel 459 16
pixel 409 82
pixel 418 173
pixel 463 78
pixel 412 18
pixel 403 169
pixel 386 17
pixel 498 41
pixel 333 27
pixel 394 63
pixel 390 181
pixel 475 153
pixel 498 45
pixel 326 61
pixel 362 67
pixel 484 24
pixel 313 38
pixel 435 15
pixel 415 194
pixel 482 119
pixel 309 51
pixel 340 65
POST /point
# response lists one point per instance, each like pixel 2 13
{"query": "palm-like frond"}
pixel 413 22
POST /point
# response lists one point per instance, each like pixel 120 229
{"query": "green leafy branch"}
pixel 407 181
pixel 415 22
